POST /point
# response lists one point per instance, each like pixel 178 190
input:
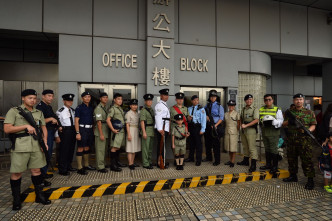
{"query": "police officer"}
pixel 26 151
pixel 51 125
pixel 300 144
pixel 197 125
pixel 84 133
pixel 67 136
pixel 271 120
pixel 249 119
pixel 214 130
pixel 101 132
pixel 118 134
pixel 162 124
pixel 178 108
pixel 147 131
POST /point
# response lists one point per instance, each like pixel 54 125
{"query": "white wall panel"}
pixel 264 25
pixel 293 29
pixel 233 28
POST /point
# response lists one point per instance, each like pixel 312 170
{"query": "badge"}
pixel 98 115
pixel 158 110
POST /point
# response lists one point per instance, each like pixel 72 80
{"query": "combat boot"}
pixel 16 193
pixel 114 166
pixel 244 162
pixel 291 178
pixel 310 184
pixel 40 197
pixel 252 166
pixel 268 157
pixel 275 158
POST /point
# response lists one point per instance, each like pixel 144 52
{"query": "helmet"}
pixel 268 118
pixel 117 124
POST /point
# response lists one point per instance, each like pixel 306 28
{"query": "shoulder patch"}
pixel 203 111
pixel 61 109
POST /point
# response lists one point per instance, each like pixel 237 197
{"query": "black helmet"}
pixel 117 124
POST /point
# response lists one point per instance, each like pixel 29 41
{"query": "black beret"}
pixel 28 92
pixel 148 97
pixel 47 91
pixel 133 102
pixel 85 93
pixel 194 97
pixel 164 91
pixel 213 93
pixel 248 96
pixel 68 97
pixel 299 95
pixel 103 94
pixel 231 103
pixel 178 117
pixel 179 95
pixel 116 95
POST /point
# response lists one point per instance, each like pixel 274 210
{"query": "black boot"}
pixel 244 162
pixel 118 163
pixel 268 165
pixel 114 166
pixel 275 159
pixel 252 166
pixel 310 184
pixel 40 197
pixel 16 192
pixel 291 178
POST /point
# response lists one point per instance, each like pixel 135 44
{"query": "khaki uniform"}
pixel 248 135
pixel 100 114
pixel 27 153
pixel 147 144
pixel 133 146
pixel 184 111
pixel 179 140
pixel 231 132
pixel 116 113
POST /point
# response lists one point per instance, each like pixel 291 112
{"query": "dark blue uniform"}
pixel 85 115
pixel 51 128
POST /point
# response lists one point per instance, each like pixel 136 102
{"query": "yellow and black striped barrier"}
pixel 149 186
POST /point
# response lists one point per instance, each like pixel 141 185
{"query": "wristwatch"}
pixel 77 132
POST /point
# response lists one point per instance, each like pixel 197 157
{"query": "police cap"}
pixel 85 93
pixel 148 97
pixel 231 103
pixel 68 97
pixel 299 95
pixel 164 91
pixel 103 94
pixel 248 96
pixel 178 117
pixel 28 92
pixel 179 95
pixel 213 93
pixel 133 102
pixel 47 91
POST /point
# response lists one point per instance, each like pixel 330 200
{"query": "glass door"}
pixel 202 93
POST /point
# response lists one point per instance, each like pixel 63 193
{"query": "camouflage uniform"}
pixel 300 144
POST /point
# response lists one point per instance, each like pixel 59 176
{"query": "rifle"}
pixel 161 147
pixel 28 117
pixel 300 125
pixel 211 122
pixel 58 120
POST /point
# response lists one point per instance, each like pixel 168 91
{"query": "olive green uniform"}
pixel 116 113
pixel 147 144
pixel 184 111
pixel 179 140
pixel 27 153
pixel 300 144
pixel 248 135
pixel 100 114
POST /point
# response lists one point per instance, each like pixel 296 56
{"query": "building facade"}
pixel 139 46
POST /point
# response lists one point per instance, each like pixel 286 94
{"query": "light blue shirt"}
pixel 217 111
pixel 199 116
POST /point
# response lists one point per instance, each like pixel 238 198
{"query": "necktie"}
pixel 71 118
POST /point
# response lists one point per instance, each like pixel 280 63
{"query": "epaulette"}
pixel 61 109
pixel 199 107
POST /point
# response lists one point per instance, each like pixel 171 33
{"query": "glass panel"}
pixel 126 95
pixel 94 95
pixel 188 95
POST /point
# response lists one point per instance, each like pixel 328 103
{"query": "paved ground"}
pixel 262 200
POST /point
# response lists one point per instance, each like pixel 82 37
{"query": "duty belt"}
pixel 178 138
pixel 22 135
pixel 68 127
pixel 149 125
